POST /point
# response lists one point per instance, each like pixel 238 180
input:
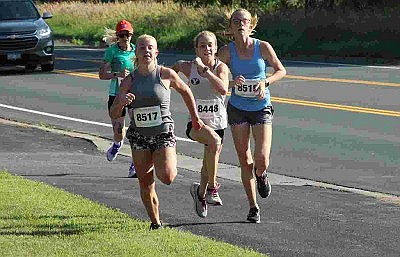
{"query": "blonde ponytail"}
pixel 110 36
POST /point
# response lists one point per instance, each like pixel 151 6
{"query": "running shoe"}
pixel 113 151
pixel 155 226
pixel 254 215
pixel 263 185
pixel 132 171
pixel 200 204
pixel 212 196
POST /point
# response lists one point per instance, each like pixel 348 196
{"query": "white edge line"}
pixel 72 119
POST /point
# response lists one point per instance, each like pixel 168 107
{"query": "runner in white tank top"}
pixel 208 80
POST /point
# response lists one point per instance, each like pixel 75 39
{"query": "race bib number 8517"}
pixel 147 116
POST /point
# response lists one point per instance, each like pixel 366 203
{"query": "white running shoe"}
pixel 113 151
pixel 132 171
pixel 212 196
pixel 200 205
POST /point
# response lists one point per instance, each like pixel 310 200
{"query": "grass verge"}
pixel 39 220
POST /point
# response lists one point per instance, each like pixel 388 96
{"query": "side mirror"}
pixel 47 15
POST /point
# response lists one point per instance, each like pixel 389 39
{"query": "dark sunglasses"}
pixel 122 35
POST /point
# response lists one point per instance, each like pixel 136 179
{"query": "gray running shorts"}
pixel 237 116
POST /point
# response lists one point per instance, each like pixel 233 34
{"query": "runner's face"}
pixel 124 36
pixel 146 50
pixel 240 23
pixel 206 47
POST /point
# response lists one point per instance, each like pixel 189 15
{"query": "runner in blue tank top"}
pixel 208 80
pixel 249 106
pixel 117 64
pixel 151 132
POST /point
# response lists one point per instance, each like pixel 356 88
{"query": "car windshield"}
pixel 19 10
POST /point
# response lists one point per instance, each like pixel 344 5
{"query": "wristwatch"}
pixel 205 69
pixel 266 83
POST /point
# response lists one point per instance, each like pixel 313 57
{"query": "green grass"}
pixel 39 220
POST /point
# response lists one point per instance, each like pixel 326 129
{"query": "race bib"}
pixel 209 109
pixel 248 89
pixel 147 116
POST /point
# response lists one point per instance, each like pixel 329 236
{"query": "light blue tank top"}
pixel 251 69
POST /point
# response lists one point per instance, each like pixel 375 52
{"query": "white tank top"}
pixel 210 104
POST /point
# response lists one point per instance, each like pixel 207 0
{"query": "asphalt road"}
pixel 334 123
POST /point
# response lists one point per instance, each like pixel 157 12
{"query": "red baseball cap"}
pixel 124 25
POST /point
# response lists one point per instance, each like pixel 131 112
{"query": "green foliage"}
pixel 371 33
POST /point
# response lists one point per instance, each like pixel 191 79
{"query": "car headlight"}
pixel 44 32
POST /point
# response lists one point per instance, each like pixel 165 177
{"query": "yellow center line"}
pixel 336 106
pixel 284 100
pixel 364 82
pixel 78 59
pixel 352 81
pixel 79 74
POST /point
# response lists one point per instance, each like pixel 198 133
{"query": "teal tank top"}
pixel 119 60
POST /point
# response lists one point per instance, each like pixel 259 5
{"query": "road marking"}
pixel 351 81
pixel 72 119
pixel 338 80
pixel 287 100
pixel 336 106
pixel 79 59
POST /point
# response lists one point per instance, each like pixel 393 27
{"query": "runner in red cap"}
pixel 118 63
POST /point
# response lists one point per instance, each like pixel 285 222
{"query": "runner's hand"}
pixel 239 80
pixel 261 89
pixel 198 62
pixel 124 73
pixel 197 123
pixel 128 99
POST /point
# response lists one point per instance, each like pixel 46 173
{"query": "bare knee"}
pixel 167 176
pixel 214 144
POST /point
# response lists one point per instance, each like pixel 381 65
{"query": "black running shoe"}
pixel 263 185
pixel 254 215
pixel 155 226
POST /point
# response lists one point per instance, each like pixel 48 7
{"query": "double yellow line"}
pixel 336 106
pixel 364 82
pixel 302 102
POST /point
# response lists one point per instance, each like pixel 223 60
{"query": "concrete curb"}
pixel 225 171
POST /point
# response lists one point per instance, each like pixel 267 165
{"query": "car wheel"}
pixel 30 67
pixel 47 67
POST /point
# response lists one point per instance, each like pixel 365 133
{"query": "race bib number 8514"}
pixel 248 89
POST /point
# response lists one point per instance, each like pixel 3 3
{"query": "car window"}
pixel 11 10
